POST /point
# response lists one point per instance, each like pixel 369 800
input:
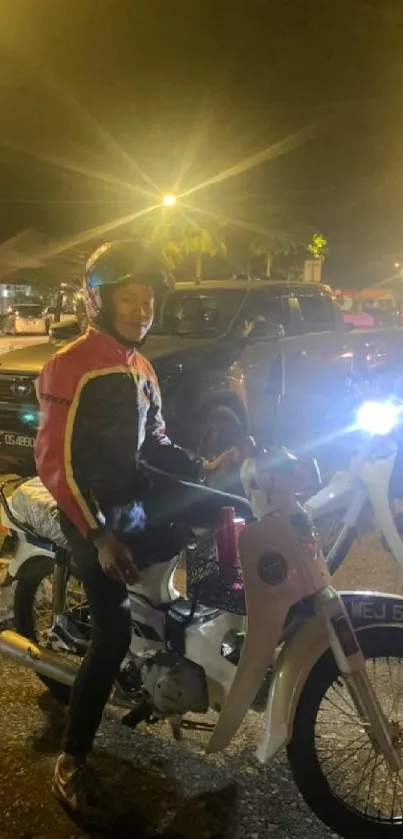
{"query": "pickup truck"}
pixel 233 357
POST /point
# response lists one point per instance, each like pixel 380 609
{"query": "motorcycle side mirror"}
pixel 261 329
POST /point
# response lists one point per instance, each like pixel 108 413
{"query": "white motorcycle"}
pixel 344 740
pixel 357 501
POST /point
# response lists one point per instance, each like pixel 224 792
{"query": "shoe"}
pixel 82 793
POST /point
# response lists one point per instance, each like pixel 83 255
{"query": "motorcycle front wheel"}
pixel 338 769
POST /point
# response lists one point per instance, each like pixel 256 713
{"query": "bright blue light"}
pixel 378 417
pixel 29 417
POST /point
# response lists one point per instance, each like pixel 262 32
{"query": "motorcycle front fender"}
pixel 29 559
pixel 293 666
pixel 256 659
pixel 272 586
pixel 300 654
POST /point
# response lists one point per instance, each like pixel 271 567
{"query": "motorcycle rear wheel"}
pixel 332 778
pixel 26 619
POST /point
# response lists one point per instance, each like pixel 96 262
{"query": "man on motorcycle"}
pixel 100 408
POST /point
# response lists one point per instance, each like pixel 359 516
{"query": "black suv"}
pixel 223 351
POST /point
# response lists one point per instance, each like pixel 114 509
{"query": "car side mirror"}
pixel 264 330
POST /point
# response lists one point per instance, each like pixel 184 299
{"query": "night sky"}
pixel 192 87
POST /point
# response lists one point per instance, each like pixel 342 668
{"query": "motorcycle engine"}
pixel 175 684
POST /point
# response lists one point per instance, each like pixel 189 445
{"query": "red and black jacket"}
pixel 100 406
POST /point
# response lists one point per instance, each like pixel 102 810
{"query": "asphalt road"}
pixel 161 787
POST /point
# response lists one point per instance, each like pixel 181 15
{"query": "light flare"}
pixel 77 168
pixel 169 200
pixel 241 223
pixel 68 242
pixel 282 147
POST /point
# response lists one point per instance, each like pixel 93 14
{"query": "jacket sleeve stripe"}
pixel 68 437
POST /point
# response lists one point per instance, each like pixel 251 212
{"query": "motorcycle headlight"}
pixel 378 417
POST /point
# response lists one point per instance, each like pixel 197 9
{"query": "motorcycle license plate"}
pixel 19 441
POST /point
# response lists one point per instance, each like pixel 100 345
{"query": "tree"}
pixel 178 237
pixel 318 246
pixel 270 246
pixel 290 266
pixel 283 248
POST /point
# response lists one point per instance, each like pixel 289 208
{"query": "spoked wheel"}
pixel 33 615
pixel 337 767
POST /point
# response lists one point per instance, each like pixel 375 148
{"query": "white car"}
pixel 25 319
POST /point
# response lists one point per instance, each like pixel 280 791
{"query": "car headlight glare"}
pixel 378 417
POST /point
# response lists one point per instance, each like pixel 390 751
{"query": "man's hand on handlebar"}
pixel 229 459
pixel 221 463
pixel 116 560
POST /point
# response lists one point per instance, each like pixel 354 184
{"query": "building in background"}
pixel 34 266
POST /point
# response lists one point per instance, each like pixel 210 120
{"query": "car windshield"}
pixel 199 313
pixel 25 311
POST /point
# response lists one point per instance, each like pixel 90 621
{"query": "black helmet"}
pixel 128 261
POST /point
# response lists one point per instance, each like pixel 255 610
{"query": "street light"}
pixel 397 264
pixel 169 200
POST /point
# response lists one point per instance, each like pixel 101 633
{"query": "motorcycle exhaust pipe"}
pixel 44 662
pixel 48 663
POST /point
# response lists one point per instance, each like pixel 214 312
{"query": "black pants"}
pixel 108 599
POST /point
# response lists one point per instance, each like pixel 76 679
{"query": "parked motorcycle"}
pixel 343 739
pixel 357 501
